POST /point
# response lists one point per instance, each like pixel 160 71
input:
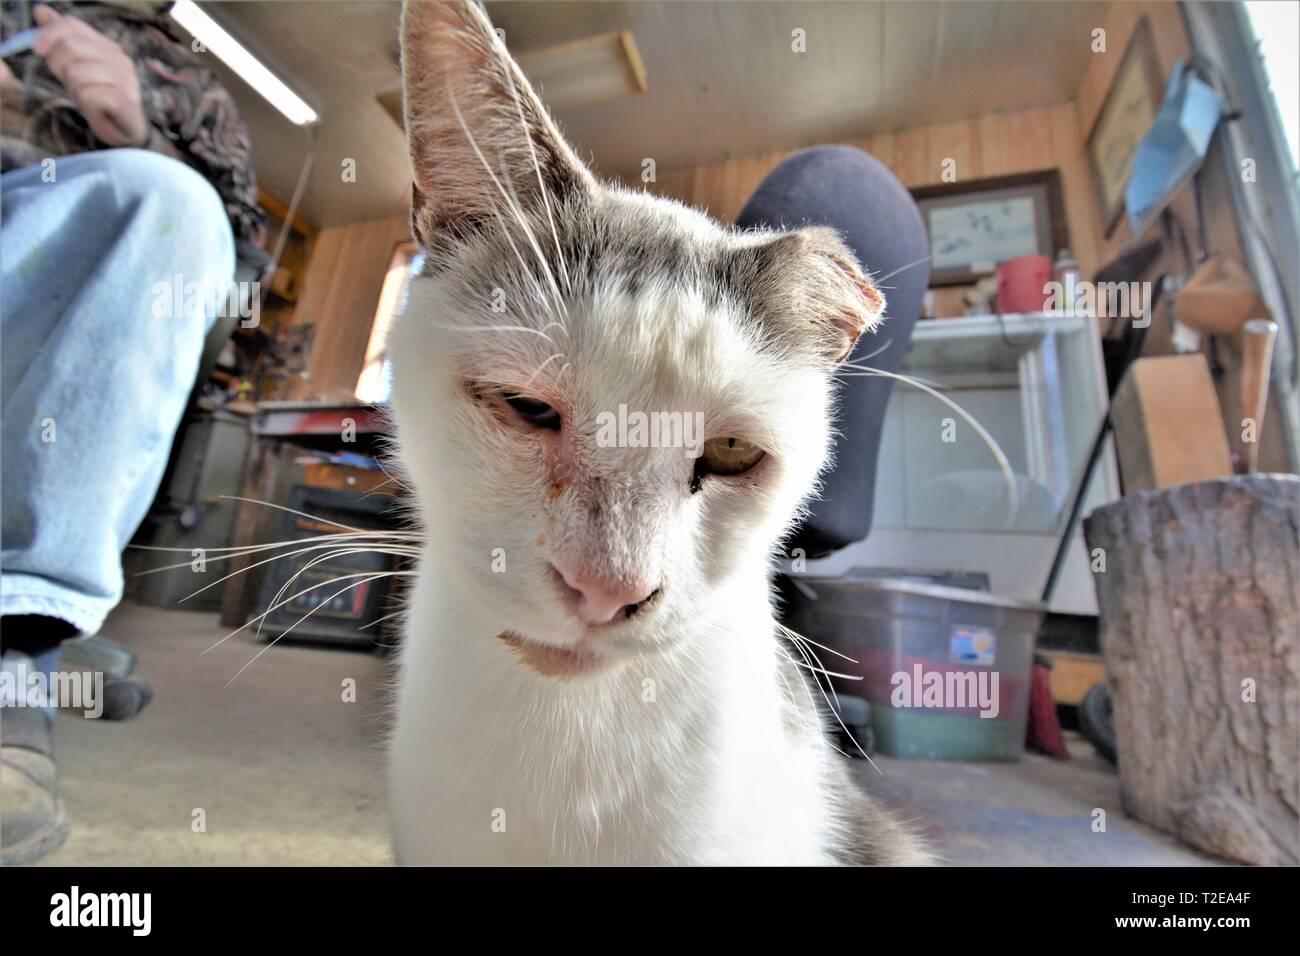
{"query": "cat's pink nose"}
pixel 599 601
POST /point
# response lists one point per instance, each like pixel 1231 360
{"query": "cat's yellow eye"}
pixel 730 455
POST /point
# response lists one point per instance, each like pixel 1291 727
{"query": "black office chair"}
pixel 845 188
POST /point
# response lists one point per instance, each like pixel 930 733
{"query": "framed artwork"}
pixel 1125 117
pixel 974 226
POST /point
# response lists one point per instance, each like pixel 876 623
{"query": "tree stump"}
pixel 1199 625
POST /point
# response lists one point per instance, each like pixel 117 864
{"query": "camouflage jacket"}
pixel 191 116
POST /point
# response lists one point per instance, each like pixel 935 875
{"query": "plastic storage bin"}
pixel 946 670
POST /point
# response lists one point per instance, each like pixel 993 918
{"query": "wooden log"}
pixel 1199 625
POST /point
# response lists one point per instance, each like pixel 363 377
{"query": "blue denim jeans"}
pixel 97 362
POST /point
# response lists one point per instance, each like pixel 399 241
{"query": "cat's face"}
pixel 608 405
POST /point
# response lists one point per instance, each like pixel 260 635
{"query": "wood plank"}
pixel 340 293
pixel 280 211
pixel 994 145
pixel 1073 675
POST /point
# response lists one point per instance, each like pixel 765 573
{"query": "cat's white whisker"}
pixel 809 655
pixel 511 202
pixel 911 265
pixel 276 640
pixel 546 200
pixel 850 369
pixel 390 480
pixel 308 565
pixel 271 610
pixel 250 550
pixel 818 670
pixel 831 650
pixel 800 645
pixel 293 511
pixel 411 553
pixel 337 544
pixel 500 328
pixel 557 355
pixel 871 355
pixel 379 463
pixel 808 720
pixel 379 541
pixel 1013 494
pixel 380 620
pixel 788 695
pixel 525 273
pixel 293 579
pixel 537 249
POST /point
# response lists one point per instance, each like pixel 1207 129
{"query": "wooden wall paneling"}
pixel 1080 196
pixel 1172 45
pixel 999 144
pixel 340 293
pixel 1221 227
pixel 912 156
pixel 883 146
pixel 996 144
pixel 1119 23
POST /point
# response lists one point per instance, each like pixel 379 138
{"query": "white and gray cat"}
pixel 591 671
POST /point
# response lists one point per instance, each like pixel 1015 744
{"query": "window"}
pixel 375 384
pixel 1277 34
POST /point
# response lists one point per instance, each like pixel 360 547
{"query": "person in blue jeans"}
pixel 126 176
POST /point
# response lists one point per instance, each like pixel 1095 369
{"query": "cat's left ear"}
pixel 814 292
pixel 479 136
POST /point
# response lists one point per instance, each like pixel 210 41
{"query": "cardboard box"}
pixel 1168 424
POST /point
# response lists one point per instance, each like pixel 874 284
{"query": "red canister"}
pixel 1022 284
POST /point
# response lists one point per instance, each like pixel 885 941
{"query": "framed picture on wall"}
pixel 1125 117
pixel 974 226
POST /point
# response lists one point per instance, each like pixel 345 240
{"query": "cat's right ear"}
pixel 479 137
pixel 810 288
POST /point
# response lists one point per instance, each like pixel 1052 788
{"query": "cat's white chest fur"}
pixel 663 762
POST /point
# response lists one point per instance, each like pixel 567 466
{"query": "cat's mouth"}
pixel 562 663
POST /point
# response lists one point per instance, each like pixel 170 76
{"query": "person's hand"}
pixel 96 74
pixel 10 85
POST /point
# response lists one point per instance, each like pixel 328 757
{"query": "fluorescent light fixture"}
pixel 231 52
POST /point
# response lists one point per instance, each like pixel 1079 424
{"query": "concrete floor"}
pixel 1036 812
pixel 288 773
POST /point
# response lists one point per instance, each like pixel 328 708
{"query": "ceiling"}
pixel 723 80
